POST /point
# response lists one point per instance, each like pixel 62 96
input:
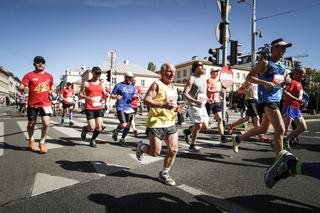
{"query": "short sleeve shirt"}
pixel 126 91
pixel 294 89
pixel 39 85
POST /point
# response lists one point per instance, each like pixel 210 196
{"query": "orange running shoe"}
pixel 32 145
pixel 43 148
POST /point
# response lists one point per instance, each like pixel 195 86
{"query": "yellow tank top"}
pixel 160 117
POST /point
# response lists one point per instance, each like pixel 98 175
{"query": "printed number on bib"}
pixel 202 98
pixel 128 111
pixel 96 101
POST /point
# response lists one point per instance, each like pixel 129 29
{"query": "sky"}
pixel 73 33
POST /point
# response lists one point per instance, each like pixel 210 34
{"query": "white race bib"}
pixel 47 109
pixel 202 97
pixel 278 79
pixel 128 111
pixel 96 101
pixel 69 99
pixel 171 96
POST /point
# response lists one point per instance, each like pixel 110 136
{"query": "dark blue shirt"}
pixel 126 91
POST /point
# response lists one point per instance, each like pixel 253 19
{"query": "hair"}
pixel 194 66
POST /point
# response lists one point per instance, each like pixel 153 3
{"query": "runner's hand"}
pixel 268 85
pixel 119 97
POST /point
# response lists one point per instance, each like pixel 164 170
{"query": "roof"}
pixel 122 68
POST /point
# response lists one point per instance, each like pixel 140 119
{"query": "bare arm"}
pixel 82 89
pixel 186 91
pixel 261 67
pixel 151 93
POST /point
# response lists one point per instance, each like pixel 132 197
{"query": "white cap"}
pixel 129 74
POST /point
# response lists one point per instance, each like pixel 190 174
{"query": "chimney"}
pixel 126 61
pixel 194 57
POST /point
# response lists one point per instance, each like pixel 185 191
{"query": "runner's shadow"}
pixel 272 203
pixel 150 202
pixel 12 147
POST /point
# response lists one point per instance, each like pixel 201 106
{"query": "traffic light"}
pixel 214 58
pixel 233 52
pixel 108 76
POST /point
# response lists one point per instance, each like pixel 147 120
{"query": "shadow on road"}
pixel 150 202
pixel 271 203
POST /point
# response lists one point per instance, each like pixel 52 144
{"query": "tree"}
pixel 151 66
pixel 312 86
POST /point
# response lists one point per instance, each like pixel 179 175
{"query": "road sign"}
pixel 226 76
pixel 219 35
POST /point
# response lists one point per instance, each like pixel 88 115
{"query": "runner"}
pixel 124 92
pixel 93 91
pixel 250 91
pixel 272 77
pixel 40 84
pixel 22 101
pixel 67 96
pixel 293 94
pixel 195 93
pixel 214 104
pixel 161 98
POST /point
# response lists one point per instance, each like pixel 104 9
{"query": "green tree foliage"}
pixel 312 87
pixel 151 66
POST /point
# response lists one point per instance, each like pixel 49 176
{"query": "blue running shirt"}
pixel 126 91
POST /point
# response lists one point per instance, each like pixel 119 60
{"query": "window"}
pixel 243 76
pixel 238 75
pixel 142 83
pixel 114 80
pixel 184 73
pixel 178 74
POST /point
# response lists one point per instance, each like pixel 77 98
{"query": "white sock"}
pixel 165 171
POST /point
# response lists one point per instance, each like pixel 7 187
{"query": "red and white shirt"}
pixel 67 95
pixel 39 85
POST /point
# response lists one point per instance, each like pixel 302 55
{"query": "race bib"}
pixel 47 109
pixel 69 99
pixel 96 101
pixel 278 79
pixel 171 96
pixel 202 97
pixel 128 111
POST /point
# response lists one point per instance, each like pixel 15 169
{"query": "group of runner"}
pixel 203 96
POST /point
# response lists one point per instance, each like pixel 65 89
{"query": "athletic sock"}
pixel 125 132
pixel 95 134
pixel 165 171
pixel 70 117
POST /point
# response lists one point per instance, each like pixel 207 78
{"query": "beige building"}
pixel 8 84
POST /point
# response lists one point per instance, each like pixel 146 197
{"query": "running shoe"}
pixel 122 142
pixel 186 134
pixel 166 179
pixel 230 129
pixel 193 149
pixel 135 133
pixel 83 133
pixel 62 121
pixel 93 143
pixel 263 138
pixel 279 169
pixel 43 148
pixel 32 145
pixel 139 151
pixel 70 123
pixel 235 144
pixel 115 135
pixel 223 139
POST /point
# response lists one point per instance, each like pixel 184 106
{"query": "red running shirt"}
pixel 39 88
pixel 294 89
pixel 95 92
pixel 68 95
pixel 135 101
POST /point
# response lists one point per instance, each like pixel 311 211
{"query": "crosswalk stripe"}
pixel 37 134
pixel 1 138
pixel 45 183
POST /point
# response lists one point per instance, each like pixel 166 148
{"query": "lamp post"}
pixel 253 30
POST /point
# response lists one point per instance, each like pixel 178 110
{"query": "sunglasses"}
pixel 97 73
pixel 40 62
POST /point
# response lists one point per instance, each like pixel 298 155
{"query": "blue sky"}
pixel 71 33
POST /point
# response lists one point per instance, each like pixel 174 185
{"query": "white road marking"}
pixel 1 138
pixel 221 203
pixel 45 183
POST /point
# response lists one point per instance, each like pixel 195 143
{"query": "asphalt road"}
pixel 74 177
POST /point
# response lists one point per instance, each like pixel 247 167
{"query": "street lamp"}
pixel 253 30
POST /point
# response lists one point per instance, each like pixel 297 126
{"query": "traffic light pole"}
pixel 224 52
